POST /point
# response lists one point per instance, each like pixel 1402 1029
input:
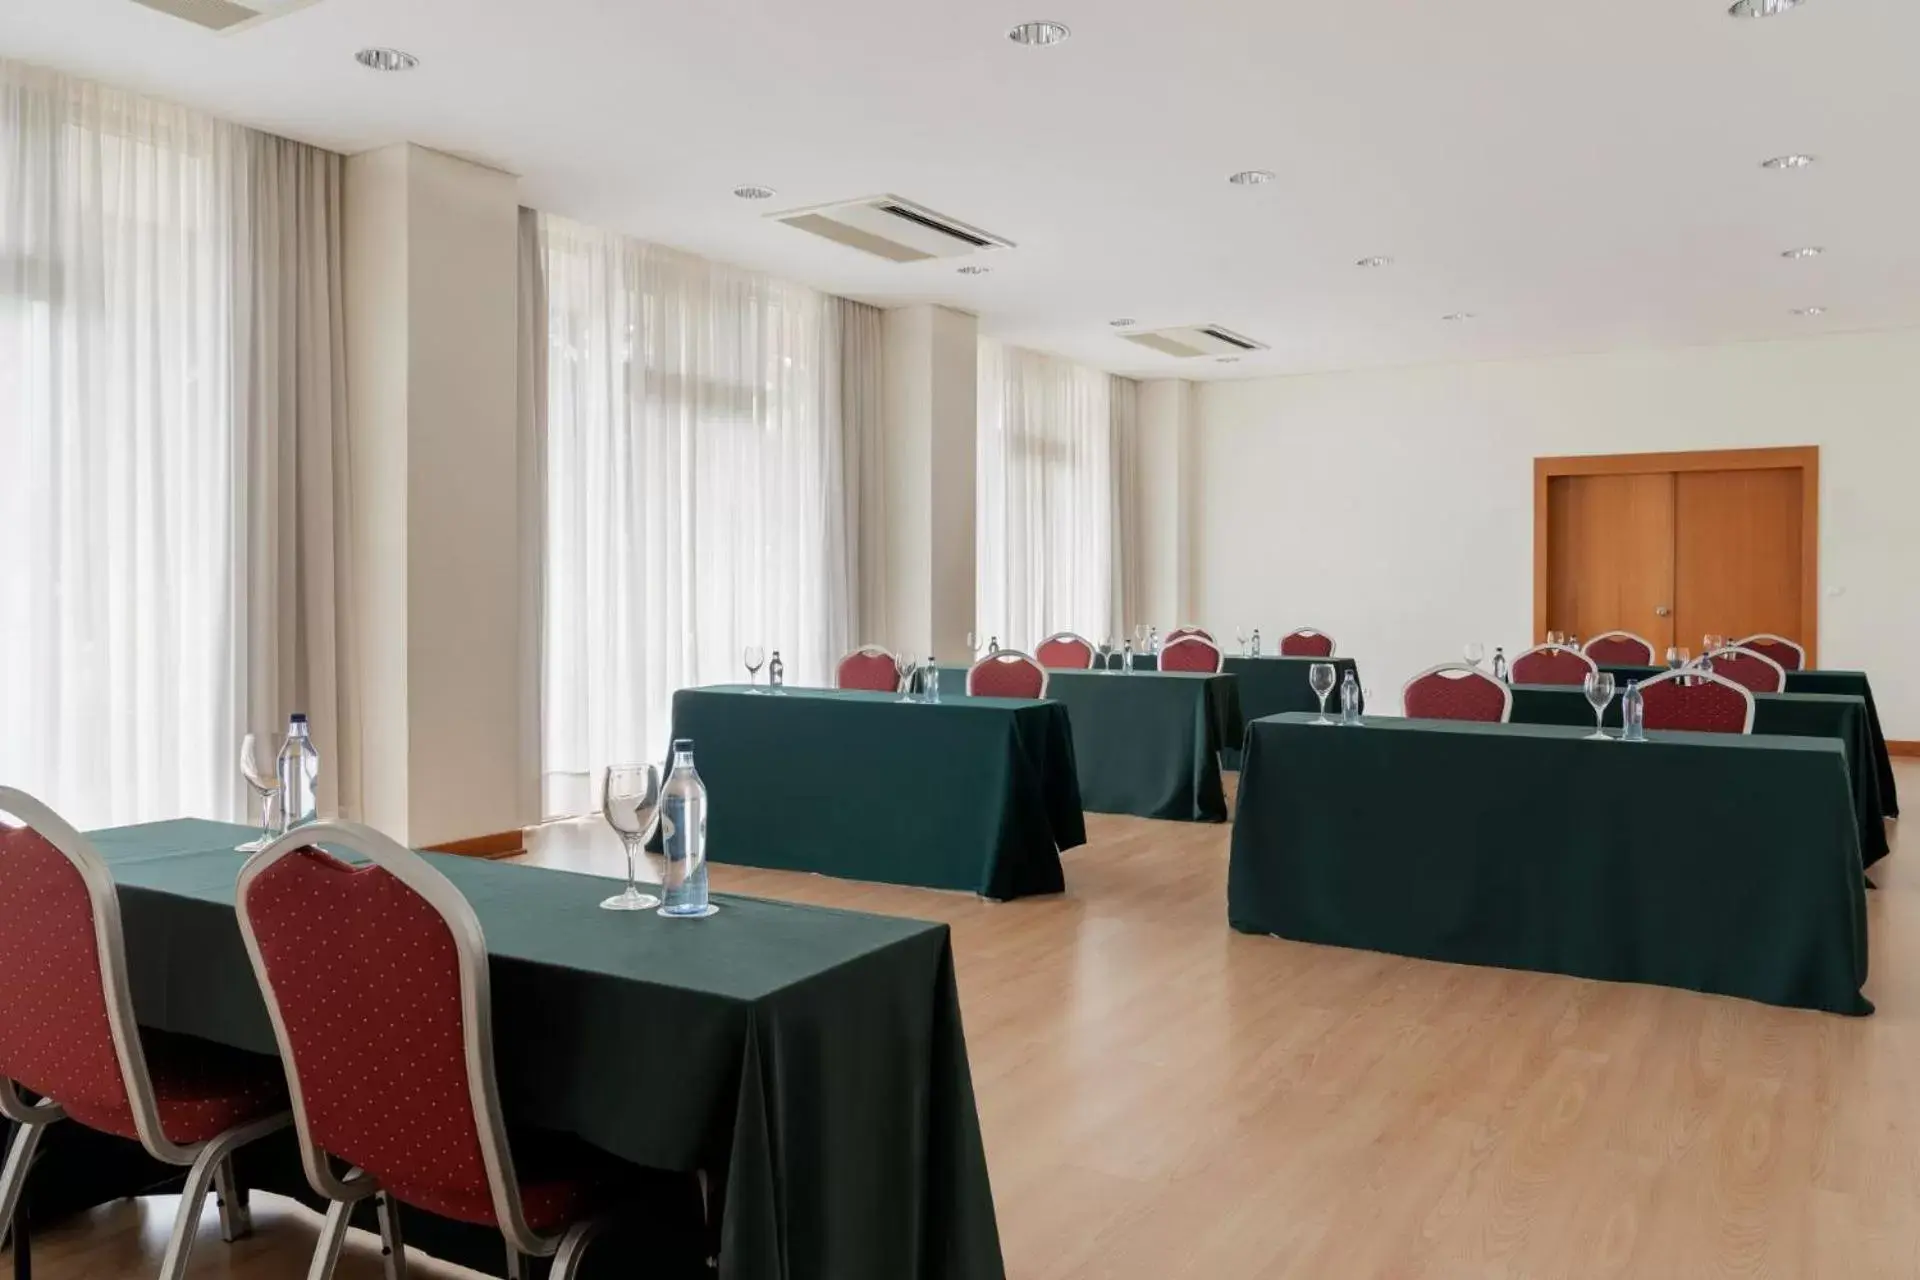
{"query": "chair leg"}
pixel 393 1248
pixel 573 1247
pixel 22 1249
pixel 13 1177
pixel 332 1235
pixel 516 1265
pixel 186 1222
pixel 236 1215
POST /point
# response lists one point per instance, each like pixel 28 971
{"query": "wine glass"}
pixel 1599 687
pixel 1320 680
pixel 1106 653
pixel 973 646
pixel 754 658
pixel 630 800
pixel 1714 642
pixel 1474 653
pixel 906 672
pixel 265 784
pixel 1676 656
pixel 1241 635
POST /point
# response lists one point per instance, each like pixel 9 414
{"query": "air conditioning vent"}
pixel 225 16
pixel 891 228
pixel 1190 342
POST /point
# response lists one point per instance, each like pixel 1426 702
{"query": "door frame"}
pixel 1804 458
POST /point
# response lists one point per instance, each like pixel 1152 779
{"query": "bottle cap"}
pixel 298 717
pixel 682 744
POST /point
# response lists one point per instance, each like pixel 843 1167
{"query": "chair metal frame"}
pixel 869 651
pixel 1694 673
pixel 208 1163
pixel 1004 656
pixel 476 1013
pixel 1070 637
pixel 1768 636
pixel 1743 652
pixel 1466 669
pixel 1636 637
pixel 1333 647
pixel 1189 629
pixel 1592 666
pixel 1219 658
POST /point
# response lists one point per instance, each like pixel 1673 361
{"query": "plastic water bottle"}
pixel 1126 657
pixel 1349 699
pixel 1153 640
pixel 776 672
pixel 1633 714
pixel 1499 664
pixel 1256 643
pixel 298 769
pixel 930 682
pixel 993 644
pixel 683 836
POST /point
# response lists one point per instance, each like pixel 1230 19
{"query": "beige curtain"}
pixel 1126 505
pixel 532 432
pixel 861 411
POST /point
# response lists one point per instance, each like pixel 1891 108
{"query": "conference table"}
pixel 1846 683
pixel 811 1061
pixel 1271 684
pixel 1842 717
pixel 979 794
pixel 1712 862
pixel 1146 743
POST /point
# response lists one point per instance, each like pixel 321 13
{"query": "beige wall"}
pixel 1168 423
pixel 1394 509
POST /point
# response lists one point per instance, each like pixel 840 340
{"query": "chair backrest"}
pixel 67 1029
pixel 1789 655
pixel 1456 691
pixel 1191 653
pixel 869 667
pixel 1551 664
pixel 1181 633
pixel 1620 649
pixel 1065 652
pixel 1006 674
pixel 1748 669
pixel 376 980
pixel 1306 643
pixel 1700 701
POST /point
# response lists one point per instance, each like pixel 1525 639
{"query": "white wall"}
pixel 1394 508
pixel 1168 420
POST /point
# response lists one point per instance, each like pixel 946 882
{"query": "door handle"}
pixel 1661 611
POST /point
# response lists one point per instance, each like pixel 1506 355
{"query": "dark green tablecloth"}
pixel 1269 685
pixel 1149 743
pixel 1842 717
pixel 814 1059
pixel 1713 862
pixel 1846 683
pixel 973 793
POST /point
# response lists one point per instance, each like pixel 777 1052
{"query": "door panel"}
pixel 1737 554
pixel 1610 552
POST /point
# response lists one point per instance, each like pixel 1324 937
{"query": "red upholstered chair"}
pixel 377 982
pixel 1455 691
pixel 1551 664
pixel 1007 674
pixel 1306 643
pixel 1789 655
pixel 1700 701
pixel 1748 669
pixel 1181 633
pixel 869 667
pixel 68 1035
pixel 1191 653
pixel 1065 652
pixel 1620 649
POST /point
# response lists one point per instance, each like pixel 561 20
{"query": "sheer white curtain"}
pixel 1053 496
pixel 697 495
pixel 169 413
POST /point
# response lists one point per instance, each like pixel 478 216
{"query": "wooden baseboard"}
pixel 501 844
pixel 1899 748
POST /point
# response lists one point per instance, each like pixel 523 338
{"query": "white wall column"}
pixel 431 275
pixel 1168 420
pixel 932 420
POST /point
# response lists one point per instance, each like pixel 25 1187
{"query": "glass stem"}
pixel 266 816
pixel 633 879
pixel 1323 704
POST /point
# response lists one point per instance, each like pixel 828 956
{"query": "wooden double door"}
pixel 1678 546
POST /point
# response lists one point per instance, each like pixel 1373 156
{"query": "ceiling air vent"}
pixel 1193 341
pixel 891 228
pixel 225 16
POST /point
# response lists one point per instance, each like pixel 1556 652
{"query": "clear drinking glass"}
pixel 904 673
pixel 1714 644
pixel 1676 656
pixel 1599 686
pixel 1106 653
pixel 973 646
pixel 258 770
pixel 1320 680
pixel 1241 635
pixel 754 658
pixel 1140 634
pixel 1475 652
pixel 630 799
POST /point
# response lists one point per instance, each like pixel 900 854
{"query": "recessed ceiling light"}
pixel 386 59
pixel 1123 324
pixel 1762 8
pixel 754 191
pixel 1794 161
pixel 1251 177
pixel 1458 315
pixel 974 270
pixel 1809 311
pixel 1374 262
pixel 1228 359
pixel 1039 34
pixel 1804 251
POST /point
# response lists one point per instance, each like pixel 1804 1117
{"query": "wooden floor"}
pixel 1163 1098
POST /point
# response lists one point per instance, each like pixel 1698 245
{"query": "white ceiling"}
pixel 1581 176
